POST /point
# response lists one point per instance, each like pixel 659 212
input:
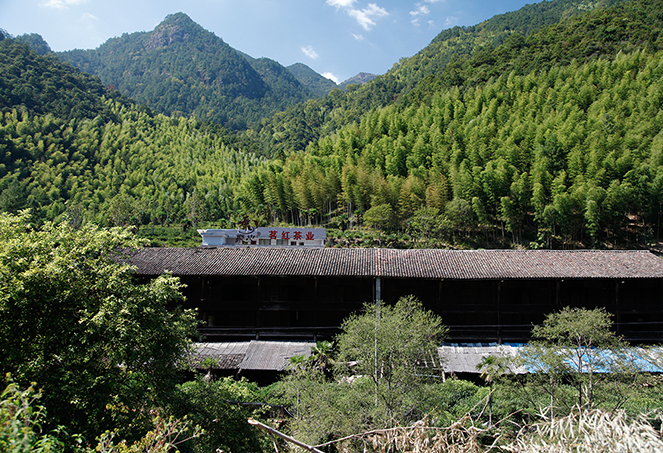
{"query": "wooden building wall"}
pixel 502 311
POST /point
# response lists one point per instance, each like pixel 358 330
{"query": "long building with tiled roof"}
pixel 417 263
pixel 245 292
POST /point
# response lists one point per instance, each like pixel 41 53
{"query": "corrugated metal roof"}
pixel 456 358
pixel 422 263
pixel 222 356
pixel 465 358
pixel 249 355
pixel 273 355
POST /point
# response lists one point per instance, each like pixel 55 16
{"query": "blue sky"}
pixel 337 38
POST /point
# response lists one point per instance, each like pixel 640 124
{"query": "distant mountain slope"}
pixel 43 85
pixel 318 84
pixel 278 78
pixel 36 42
pixel 459 42
pixel 181 68
pixel 359 79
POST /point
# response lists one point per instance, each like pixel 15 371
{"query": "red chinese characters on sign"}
pixel 272 234
pixel 285 235
pixel 310 236
pixel 297 235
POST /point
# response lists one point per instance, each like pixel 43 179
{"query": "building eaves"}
pixel 390 263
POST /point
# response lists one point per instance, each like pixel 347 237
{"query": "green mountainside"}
pixel 43 85
pixel 73 149
pixel 318 84
pixel 36 43
pixel 324 116
pixel 549 140
pixel 532 138
pixel 180 68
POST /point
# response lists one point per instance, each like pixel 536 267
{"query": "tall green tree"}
pixel 382 372
pixel 576 349
pixel 394 346
pixel 103 347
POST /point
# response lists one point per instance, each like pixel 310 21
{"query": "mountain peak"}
pixel 173 29
pixel 177 19
pixel 359 79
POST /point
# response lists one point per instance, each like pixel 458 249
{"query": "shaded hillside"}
pixel 44 84
pixel 36 42
pixel 180 68
pixel 602 33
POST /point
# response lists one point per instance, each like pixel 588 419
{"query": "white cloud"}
pixel 450 21
pixel 358 37
pixel 366 17
pixel 309 52
pixel 331 77
pixel 341 3
pixel 61 4
pixel 422 10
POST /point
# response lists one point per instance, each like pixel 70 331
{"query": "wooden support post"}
pixel 378 289
pixel 618 319
pixel 499 312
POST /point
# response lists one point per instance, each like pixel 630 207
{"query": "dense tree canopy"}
pixel 104 348
pixel 566 155
pixel 545 138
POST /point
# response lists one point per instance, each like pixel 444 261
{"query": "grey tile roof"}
pixel 421 263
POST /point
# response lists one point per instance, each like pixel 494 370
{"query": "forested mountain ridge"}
pixel 70 147
pixel 43 84
pixel 181 68
pixel 286 130
pixel 549 140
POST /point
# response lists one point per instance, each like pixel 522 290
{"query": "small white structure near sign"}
pixel 265 236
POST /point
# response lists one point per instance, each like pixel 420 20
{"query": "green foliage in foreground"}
pixel 215 407
pixel 20 423
pixel 385 368
pixel 72 318
pixel 576 362
pixel 383 379
pixel 21 418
